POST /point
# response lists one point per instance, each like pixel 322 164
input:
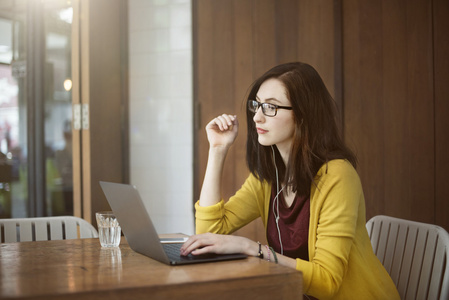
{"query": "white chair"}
pixel 45 228
pixel 414 254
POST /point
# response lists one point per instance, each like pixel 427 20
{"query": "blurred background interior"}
pixel 120 90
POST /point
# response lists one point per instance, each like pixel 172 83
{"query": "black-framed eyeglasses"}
pixel 268 109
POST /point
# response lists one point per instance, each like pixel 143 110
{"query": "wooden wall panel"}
pixel 441 63
pixel 286 26
pixel 396 108
pixel 214 66
pixel 264 35
pixel 101 88
pixel 242 39
pixel 421 123
pixel 388 104
pixel 219 49
pixel 362 88
pixel 384 61
pixel 202 18
pixel 243 75
pixel 316 38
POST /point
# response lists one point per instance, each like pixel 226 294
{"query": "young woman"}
pixel 303 185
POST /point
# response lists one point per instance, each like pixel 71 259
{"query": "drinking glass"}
pixel 109 229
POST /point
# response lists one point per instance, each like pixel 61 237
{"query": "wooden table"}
pixel 81 269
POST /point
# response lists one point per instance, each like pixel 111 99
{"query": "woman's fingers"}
pixel 190 245
pixel 213 243
pixel 197 242
pixel 223 122
pixel 204 250
pixel 226 121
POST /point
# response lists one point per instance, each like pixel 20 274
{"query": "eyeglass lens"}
pixel 267 109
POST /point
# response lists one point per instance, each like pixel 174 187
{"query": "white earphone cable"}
pixel 276 202
pixel 276 217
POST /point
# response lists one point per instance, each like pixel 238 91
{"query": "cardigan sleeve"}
pixel 335 207
pixel 226 217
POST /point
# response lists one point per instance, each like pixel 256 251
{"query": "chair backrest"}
pixel 45 228
pixel 414 254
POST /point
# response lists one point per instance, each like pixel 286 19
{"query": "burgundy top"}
pixel 293 225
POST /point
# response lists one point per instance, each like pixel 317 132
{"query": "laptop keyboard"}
pixel 172 249
pixel 174 254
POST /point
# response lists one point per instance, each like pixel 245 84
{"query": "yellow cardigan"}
pixel 342 264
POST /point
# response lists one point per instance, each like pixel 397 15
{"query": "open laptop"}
pixel 139 230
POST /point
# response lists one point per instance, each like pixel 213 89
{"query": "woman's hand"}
pixel 217 243
pixel 222 131
pixel 228 244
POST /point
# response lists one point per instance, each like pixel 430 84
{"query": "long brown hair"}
pixel 317 136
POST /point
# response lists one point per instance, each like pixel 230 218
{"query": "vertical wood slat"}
pixel 212 87
pixel 362 86
pixel 396 110
pixel 76 100
pixel 441 71
pixel 85 74
pixel 338 59
pixel 316 36
pixel 202 19
pixel 287 16
pixel 264 37
pixel 223 86
pixel 421 100
pixel 243 65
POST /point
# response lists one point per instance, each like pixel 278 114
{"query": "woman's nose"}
pixel 258 116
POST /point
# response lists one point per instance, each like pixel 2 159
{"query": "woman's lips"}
pixel 261 131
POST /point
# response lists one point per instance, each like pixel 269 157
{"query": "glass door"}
pixel 35 108
pixel 58 107
pixel 13 110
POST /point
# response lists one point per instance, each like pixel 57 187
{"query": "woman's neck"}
pixel 285 155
